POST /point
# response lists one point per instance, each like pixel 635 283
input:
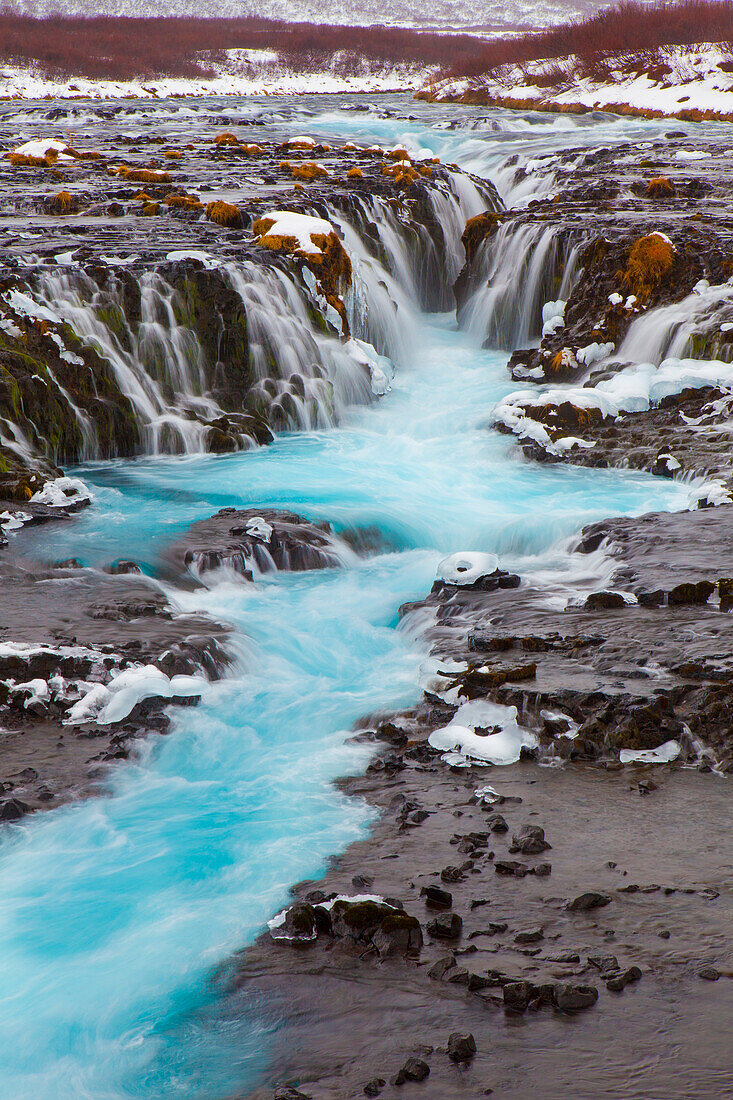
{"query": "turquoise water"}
pixel 115 913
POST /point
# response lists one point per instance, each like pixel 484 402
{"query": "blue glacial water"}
pixel 115 912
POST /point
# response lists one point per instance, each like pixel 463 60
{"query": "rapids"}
pixel 116 912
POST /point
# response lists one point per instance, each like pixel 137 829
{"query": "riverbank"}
pixel 690 83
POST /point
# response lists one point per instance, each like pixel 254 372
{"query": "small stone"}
pixel 587 901
pixel 607 964
pixel 435 898
pixel 374 1087
pixel 534 935
pixel 414 1069
pixel 439 969
pixel 12 809
pixel 529 840
pixel 575 998
pixel 517 995
pixel 362 883
pixel 286 1092
pixel 461 1048
pixel 446 927
pixel 616 985
pixel 542 870
pixel 511 867
pixel 457 976
pixel 452 874
pixel 709 974
pixel 497 824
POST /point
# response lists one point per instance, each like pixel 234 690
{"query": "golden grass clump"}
pixel 184 202
pixel 309 170
pixel 398 154
pixel 252 148
pixel 355 174
pixel 476 230
pixel 172 154
pixel 226 139
pixel 143 175
pixel 660 188
pixel 86 154
pixel 649 261
pixel 22 160
pixel 150 209
pixel 295 144
pixel 285 166
pixel 62 203
pixel 224 213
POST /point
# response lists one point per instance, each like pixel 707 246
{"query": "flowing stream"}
pixel 115 912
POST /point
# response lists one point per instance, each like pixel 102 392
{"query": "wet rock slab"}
pixel 64 630
pixel 252 541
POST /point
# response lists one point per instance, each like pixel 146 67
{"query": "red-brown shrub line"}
pixel 118 48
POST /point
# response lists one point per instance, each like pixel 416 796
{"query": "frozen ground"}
pixel 682 79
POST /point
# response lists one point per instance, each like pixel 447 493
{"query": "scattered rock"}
pixel 709 974
pixel 414 1069
pixel 590 900
pixel 575 998
pixel 461 1048
pixel 446 927
pixel 617 984
pixel 435 898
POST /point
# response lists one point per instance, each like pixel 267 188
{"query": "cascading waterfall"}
pixel 519 269
pixel 303 376
pixel 157 363
pixel 687 329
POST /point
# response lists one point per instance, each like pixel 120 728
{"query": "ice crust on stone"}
pixel 259 528
pixel 663 754
pixel 464 746
pixel 467 567
pixel 106 704
pixel 62 491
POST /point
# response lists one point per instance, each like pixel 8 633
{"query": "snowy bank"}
pixel 240 73
pixel 682 82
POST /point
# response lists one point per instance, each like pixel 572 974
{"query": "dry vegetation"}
pixel 123 48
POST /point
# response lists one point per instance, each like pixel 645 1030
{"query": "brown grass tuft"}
pixel 355 174
pixel 476 230
pixel 660 188
pixel 649 261
pixel 62 203
pixel 224 213
pixel 226 139
pixel 309 170
pixel 143 175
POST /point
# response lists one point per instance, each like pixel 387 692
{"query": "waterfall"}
pixel 189 359
pixel 519 269
pixel 687 329
pixel 157 363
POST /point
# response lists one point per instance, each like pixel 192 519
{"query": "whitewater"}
pixel 116 913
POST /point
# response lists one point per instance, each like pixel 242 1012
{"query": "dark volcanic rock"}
pixel 575 998
pixel 446 927
pixel 248 541
pixel 461 1048
pixel 590 900
pixel 414 1069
